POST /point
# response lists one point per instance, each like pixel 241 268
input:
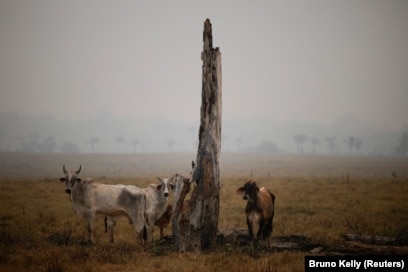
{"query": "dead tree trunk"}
pixel 195 222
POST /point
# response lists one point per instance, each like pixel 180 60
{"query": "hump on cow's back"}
pixel 87 180
pixel 266 192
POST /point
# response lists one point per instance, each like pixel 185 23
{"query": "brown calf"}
pixel 259 209
pixel 164 220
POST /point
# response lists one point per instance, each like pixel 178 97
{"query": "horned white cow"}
pixel 90 198
pixel 156 205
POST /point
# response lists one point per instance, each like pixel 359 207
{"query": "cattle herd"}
pixel 147 207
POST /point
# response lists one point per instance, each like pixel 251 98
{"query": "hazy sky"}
pixel 283 60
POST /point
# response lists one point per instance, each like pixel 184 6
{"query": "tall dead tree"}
pixel 195 221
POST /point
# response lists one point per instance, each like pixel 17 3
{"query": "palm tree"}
pixel 92 141
pixel 353 142
pixel 315 143
pixel 350 142
pixel 357 145
pixel 299 140
pixel 331 143
pixel 120 140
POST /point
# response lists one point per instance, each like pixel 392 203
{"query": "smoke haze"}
pixel 283 63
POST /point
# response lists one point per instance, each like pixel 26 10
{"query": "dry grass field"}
pixel 318 197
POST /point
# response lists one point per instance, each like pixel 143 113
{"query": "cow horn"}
pixel 79 170
pixel 63 169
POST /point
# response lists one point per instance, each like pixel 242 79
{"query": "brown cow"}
pixel 164 220
pixel 259 209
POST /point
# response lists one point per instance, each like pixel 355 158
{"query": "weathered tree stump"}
pixel 196 222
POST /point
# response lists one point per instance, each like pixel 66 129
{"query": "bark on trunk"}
pixel 196 222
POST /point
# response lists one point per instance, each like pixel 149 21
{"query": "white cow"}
pixel 90 198
pixel 156 205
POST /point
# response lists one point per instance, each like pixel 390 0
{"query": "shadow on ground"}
pixel 352 244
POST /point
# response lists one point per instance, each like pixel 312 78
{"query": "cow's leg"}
pixel 268 227
pixel 271 227
pixel 150 222
pixel 266 231
pixel 250 229
pixel 140 237
pixel 161 232
pixel 261 230
pixel 109 225
pixel 140 228
pixel 89 227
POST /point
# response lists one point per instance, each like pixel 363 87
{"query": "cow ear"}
pixel 78 179
pixel 239 191
pixel 62 179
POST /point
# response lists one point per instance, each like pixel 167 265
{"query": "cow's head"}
pixel 249 191
pixel 71 177
pixel 165 186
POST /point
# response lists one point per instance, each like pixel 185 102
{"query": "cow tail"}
pixel 273 204
pixel 144 235
pixel 144 232
pixel 273 198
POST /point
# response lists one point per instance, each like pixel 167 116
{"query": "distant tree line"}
pixel 49 145
pixel 352 143
pixel 46 134
pixel 34 144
